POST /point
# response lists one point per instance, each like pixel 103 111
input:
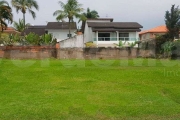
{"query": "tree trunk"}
pixel 24 20
pixel 69 28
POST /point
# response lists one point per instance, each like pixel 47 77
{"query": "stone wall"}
pixel 102 53
pixel 44 52
pixel 28 52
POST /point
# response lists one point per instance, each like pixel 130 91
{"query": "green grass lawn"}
pixel 89 89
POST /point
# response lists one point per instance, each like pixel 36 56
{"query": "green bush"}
pixel 160 40
pixel 47 39
pixel 32 39
pixel 167 48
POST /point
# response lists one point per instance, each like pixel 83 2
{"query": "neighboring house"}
pixel 40 30
pixel 11 30
pixel 105 32
pixel 150 34
pixel 59 30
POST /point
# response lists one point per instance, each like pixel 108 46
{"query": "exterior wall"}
pixel 149 35
pixel 88 34
pixel 60 34
pixel 76 41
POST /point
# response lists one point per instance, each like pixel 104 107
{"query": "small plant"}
pixel 167 48
pixel 132 44
pixel 90 44
pixel 121 44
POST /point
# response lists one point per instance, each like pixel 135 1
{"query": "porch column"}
pixel 136 36
pixel 97 38
pixel 117 35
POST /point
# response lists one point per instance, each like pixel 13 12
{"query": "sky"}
pixel 148 13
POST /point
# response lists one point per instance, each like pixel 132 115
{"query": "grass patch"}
pixel 89 89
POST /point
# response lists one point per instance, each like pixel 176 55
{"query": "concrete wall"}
pixel 28 52
pixel 102 53
pixel 74 42
pixel 45 52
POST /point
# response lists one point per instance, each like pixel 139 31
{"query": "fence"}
pixel 44 52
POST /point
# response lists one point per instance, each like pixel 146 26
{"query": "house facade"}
pixel 151 33
pixel 59 30
pixel 105 32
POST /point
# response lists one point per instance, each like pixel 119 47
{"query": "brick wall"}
pixel 28 52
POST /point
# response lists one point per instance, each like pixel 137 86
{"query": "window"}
pixel 69 35
pixel 124 36
pixel 104 36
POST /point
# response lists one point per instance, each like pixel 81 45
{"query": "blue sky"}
pixel 149 13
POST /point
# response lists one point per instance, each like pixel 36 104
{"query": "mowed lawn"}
pixel 89 89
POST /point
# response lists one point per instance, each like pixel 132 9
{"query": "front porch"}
pixel 110 39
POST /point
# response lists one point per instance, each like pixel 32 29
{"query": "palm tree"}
pixel 86 15
pixel 69 10
pixel 24 5
pixel 5 14
pixel 91 14
pixel 19 26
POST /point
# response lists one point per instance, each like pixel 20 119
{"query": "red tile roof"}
pixel 159 29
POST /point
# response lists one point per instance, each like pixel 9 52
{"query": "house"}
pixel 40 30
pixel 104 32
pixel 59 30
pixel 150 34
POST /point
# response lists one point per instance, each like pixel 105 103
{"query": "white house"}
pixel 105 32
pixel 59 30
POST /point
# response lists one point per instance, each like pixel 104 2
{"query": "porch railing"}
pixel 115 39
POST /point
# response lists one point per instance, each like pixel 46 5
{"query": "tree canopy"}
pixel 69 10
pixel 24 6
pixel 5 14
pixel 172 20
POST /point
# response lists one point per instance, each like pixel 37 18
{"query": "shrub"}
pixel 90 44
pixel 32 39
pixel 167 48
pixel 160 40
pixel 47 39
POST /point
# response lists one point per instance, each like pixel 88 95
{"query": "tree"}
pixel 69 10
pixel 24 5
pixel 19 26
pixel 5 14
pixel 91 14
pixel 172 20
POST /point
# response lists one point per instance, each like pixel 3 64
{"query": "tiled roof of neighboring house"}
pixel 115 26
pixel 40 30
pixel 159 29
pixel 110 19
pixel 11 30
pixel 60 25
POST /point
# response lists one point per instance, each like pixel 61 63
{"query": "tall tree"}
pixel 5 14
pixel 69 10
pixel 91 14
pixel 172 20
pixel 24 5
pixel 19 26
